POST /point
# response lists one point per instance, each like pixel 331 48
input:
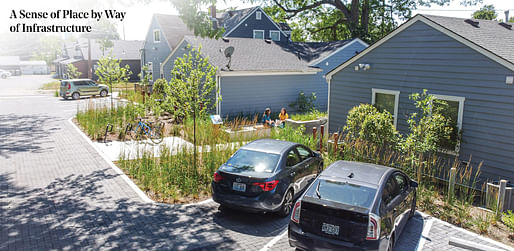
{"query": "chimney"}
pixel 506 16
pixel 213 11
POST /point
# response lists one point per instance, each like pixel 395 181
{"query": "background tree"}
pixel 320 20
pixel 49 49
pixel 72 71
pixel 487 12
pixel 511 19
pixel 110 72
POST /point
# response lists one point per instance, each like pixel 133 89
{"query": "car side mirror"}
pixel 413 183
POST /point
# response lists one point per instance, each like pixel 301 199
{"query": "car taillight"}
pixel 69 86
pixel 267 186
pixel 217 177
pixel 373 227
pixel 295 217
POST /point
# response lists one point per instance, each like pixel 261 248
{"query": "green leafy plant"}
pixel 312 115
pixel 72 71
pixel 304 103
pixel 508 219
pixel 110 72
pixel 159 87
pixel 193 86
pixel 367 123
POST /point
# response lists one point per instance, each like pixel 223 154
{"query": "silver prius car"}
pixel 265 176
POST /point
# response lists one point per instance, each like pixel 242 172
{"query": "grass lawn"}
pixel 54 85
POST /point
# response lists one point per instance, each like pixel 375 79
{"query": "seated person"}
pixel 266 118
pixel 282 117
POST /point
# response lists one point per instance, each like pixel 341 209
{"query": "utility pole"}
pixel 89 65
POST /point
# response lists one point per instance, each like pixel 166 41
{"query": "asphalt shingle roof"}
pixel 232 17
pixel 122 49
pixel 263 55
pixel 490 35
pixel 173 28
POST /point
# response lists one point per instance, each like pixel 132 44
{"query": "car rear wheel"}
pixel 103 93
pixel 4 76
pixel 75 95
pixel 287 204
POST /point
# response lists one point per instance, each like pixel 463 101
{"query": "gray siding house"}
pixel 163 35
pixel 266 73
pixel 468 63
pixel 166 32
pixel 253 23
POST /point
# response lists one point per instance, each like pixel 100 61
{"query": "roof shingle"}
pixel 489 35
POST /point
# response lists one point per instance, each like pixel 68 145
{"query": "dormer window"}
pixel 156 36
pixel 259 34
pixel 258 15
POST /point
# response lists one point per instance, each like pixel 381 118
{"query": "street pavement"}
pixel 57 192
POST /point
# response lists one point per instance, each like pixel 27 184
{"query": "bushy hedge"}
pixel 367 123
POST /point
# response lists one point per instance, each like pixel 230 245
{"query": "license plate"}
pixel 241 187
pixel 330 229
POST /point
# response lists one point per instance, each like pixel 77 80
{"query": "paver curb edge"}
pixel 131 184
pixel 497 243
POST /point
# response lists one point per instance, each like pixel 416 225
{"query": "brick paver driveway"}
pixel 58 193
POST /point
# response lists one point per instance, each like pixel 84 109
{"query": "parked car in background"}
pixel 353 206
pixel 75 88
pixel 265 176
pixel 4 74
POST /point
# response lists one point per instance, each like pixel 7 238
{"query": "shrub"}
pixel 304 103
pixel 159 87
pixel 367 123
pixel 312 115
pixel 430 131
pixel 508 219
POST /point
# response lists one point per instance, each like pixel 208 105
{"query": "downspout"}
pixel 218 93
pixel 328 79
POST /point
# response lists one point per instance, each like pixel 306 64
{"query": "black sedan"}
pixel 265 176
pixel 353 206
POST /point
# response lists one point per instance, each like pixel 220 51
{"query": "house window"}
pixel 452 108
pixel 386 100
pixel 258 34
pixel 258 15
pixel 156 36
pixel 274 35
pixel 150 71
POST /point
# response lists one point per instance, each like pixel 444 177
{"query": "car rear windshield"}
pixel 251 161
pixel 343 192
pixel 63 83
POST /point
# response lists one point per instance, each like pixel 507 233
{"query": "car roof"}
pixel 362 172
pixel 269 145
pixel 77 79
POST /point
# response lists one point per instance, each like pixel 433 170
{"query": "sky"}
pixel 138 16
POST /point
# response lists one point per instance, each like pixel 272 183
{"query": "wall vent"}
pixel 472 23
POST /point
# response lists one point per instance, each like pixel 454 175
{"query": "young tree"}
pixel 72 71
pixel 110 72
pixel 487 13
pixel 192 88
